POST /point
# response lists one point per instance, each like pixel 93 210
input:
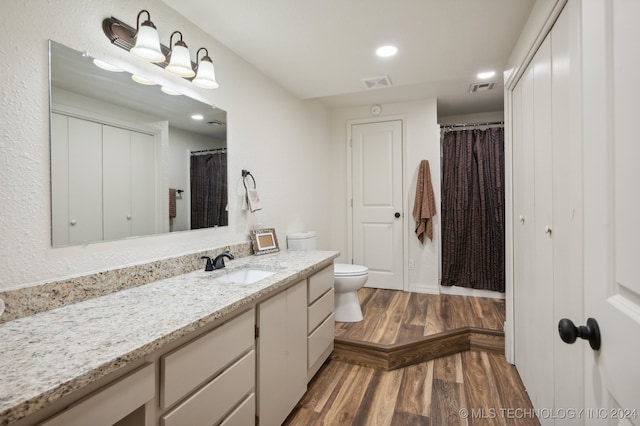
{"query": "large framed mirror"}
pixel 130 159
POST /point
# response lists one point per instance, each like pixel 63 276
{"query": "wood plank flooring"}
pixel 400 329
pixel 470 387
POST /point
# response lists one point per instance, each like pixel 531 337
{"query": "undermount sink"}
pixel 245 276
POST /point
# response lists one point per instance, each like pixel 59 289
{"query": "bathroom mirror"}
pixel 128 159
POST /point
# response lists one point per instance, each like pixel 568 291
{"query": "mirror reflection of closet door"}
pixel 77 181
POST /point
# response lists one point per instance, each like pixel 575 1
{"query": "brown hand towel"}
pixel 172 203
pixel 425 203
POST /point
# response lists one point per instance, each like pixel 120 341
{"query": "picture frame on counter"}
pixel 264 241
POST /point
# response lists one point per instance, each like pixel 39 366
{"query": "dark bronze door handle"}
pixel 569 332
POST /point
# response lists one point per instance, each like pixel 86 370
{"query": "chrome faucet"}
pixel 218 262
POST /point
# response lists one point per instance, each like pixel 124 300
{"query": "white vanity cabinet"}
pixel 282 353
pixel 119 403
pixel 212 378
pixel 320 319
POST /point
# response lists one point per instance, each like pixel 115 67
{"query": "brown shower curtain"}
pixel 473 209
pixel 209 190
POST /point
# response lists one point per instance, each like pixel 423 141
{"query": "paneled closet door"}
pixel 143 184
pixel 533 273
pixel 85 181
pixel 547 225
pixel 116 149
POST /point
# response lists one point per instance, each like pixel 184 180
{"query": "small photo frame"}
pixel 264 241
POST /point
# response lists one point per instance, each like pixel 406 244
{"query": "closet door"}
pixel 59 180
pixel 143 184
pixel 116 150
pixel 85 181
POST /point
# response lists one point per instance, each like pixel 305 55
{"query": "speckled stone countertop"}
pixel 49 355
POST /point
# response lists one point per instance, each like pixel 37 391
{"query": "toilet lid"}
pixel 348 270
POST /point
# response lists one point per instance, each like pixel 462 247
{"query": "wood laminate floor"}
pixel 470 387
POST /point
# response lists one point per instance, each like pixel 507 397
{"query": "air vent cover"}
pixel 376 82
pixel 481 87
pixel 216 123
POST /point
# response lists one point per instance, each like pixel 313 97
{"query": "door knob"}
pixel 397 214
pixel 569 332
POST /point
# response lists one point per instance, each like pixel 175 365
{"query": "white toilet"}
pixel 348 279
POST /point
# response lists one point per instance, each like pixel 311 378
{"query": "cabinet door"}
pixel 282 353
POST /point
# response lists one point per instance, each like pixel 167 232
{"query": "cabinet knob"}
pixel 73 223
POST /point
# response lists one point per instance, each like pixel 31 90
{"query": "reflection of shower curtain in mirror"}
pixel 209 190
pixel 473 209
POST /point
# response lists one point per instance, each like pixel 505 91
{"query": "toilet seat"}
pixel 349 270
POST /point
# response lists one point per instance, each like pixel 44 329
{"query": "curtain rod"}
pixel 202 151
pixel 487 123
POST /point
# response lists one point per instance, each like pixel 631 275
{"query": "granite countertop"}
pixel 46 356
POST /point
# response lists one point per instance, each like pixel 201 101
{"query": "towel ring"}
pixel 246 173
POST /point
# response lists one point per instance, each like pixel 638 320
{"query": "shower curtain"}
pixel 209 190
pixel 473 209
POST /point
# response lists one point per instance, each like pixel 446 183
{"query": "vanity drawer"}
pixel 319 283
pixel 319 310
pixel 244 415
pixel 218 397
pixel 320 340
pixel 186 368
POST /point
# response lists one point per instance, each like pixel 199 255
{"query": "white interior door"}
pixel 377 202
pixel 612 202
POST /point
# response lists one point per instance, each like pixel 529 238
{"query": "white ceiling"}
pixel 323 48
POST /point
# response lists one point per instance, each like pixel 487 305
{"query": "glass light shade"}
pixel 106 66
pixel 206 77
pixel 142 80
pixel 180 63
pixel 148 45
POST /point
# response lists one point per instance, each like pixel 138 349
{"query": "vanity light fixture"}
pixel 106 66
pixel 206 77
pixel 169 91
pixel 142 80
pixel 147 45
pixel 141 41
pixel 180 63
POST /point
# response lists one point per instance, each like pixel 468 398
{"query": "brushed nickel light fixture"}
pixel 144 43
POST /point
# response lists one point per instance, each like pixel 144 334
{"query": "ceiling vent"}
pixel 216 123
pixel 376 82
pixel 481 87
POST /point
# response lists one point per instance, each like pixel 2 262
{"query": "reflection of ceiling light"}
pixel 106 66
pixel 197 117
pixel 485 75
pixel 386 51
pixel 147 41
pixel 142 80
pixel 168 91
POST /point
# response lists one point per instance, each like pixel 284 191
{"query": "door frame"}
pixel 536 30
pixel 405 197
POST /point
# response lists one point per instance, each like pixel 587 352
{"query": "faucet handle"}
pixel 209 266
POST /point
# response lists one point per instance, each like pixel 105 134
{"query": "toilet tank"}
pixel 301 241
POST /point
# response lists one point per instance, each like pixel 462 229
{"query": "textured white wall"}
pixel 421 141
pixel 282 140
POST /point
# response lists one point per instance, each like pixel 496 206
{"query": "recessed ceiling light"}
pixel 386 51
pixel 197 117
pixel 486 74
